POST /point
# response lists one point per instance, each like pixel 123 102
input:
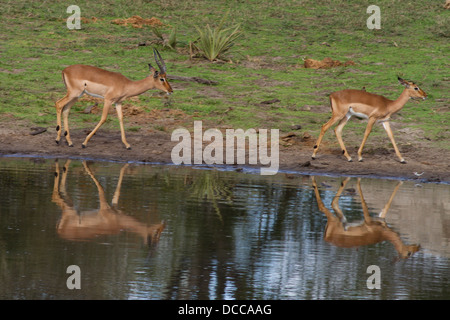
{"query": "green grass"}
pixel 275 38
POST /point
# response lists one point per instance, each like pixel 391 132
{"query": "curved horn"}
pixel 161 64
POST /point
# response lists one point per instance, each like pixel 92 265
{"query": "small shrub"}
pixel 212 43
pixel 164 40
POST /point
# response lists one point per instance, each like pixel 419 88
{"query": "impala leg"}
pixel 63 106
pixel 59 189
pixel 338 132
pixel 335 202
pixel 387 127
pixel 320 204
pixel 65 115
pixel 55 195
pixel 101 192
pixel 62 187
pixel 366 135
pixel 102 121
pixel 367 218
pixel 59 105
pixel 115 199
pixel 388 204
pixel 122 130
pixel 325 127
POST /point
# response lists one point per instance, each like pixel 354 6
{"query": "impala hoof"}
pixel 83 145
pixel 403 161
pixel 57 142
pixel 128 148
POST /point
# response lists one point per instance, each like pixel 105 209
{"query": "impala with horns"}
pixel 362 104
pixel 113 87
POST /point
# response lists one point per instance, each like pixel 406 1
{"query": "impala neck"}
pixel 401 101
pixel 394 238
pixel 140 86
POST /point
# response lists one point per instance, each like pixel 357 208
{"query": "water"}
pixel 167 232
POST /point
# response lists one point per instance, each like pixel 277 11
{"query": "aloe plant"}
pixel 214 42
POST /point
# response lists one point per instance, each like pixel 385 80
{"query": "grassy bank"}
pixel 266 62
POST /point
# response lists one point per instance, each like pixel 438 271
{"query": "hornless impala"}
pixel 113 87
pixel 362 104
pixel 369 231
pixel 106 220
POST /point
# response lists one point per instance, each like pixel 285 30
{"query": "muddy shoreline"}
pixel 151 147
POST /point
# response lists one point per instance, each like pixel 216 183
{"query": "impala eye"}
pixel 416 88
pixel 162 79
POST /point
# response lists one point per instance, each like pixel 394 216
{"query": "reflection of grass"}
pixel 208 186
pixel 267 60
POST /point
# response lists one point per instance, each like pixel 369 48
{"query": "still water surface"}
pixel 167 232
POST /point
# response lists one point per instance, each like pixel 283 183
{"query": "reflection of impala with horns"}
pixel 106 220
pixel 113 87
pixel 369 231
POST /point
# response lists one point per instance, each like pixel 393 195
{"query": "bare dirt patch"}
pixel 138 22
pixel 326 63
pixel 154 146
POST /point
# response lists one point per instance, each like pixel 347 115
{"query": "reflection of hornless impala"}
pixel 370 231
pixel 113 87
pixel 362 104
pixel 106 220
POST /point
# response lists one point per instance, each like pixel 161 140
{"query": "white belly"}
pixel 360 115
pixel 93 89
pixel 93 94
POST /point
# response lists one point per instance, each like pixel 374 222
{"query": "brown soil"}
pixel 155 146
pixel 326 63
pixel 138 22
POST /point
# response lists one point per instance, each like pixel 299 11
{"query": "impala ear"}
pixel 403 82
pixel 155 72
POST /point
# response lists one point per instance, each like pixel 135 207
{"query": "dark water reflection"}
pixel 165 232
